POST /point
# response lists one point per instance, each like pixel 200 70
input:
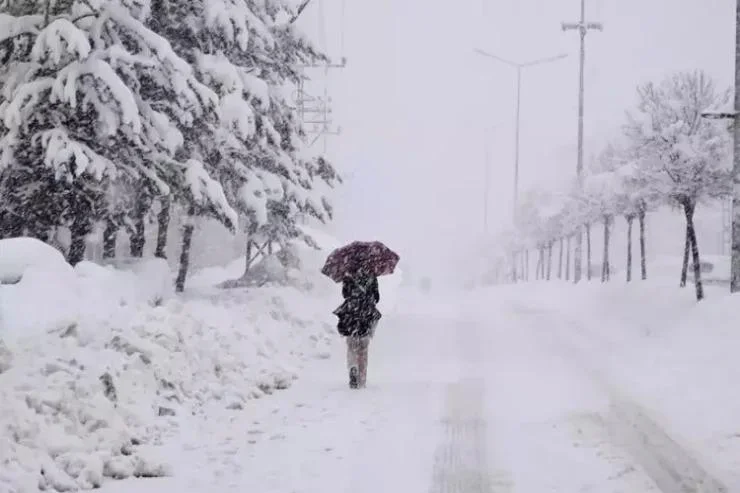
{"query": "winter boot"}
pixel 353 377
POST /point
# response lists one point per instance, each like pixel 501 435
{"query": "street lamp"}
pixel 519 67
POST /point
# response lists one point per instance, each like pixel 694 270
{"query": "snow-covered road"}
pixel 458 401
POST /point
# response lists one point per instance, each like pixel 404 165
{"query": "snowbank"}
pixel 52 296
pixel 101 366
pixel 19 254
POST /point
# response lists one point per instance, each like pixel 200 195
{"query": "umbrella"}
pixel 372 256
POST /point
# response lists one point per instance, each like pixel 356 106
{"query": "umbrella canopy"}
pixel 371 256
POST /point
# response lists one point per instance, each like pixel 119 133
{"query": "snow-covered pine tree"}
pixel 92 106
pixel 248 52
pixel 685 155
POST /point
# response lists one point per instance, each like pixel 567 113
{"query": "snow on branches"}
pixel 669 155
pixel 107 106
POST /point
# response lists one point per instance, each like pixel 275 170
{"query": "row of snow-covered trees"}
pixel 668 155
pixel 112 111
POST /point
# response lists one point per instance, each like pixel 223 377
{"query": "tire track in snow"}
pixel 673 467
pixel 461 459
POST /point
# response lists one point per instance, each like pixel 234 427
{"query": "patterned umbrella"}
pixel 371 256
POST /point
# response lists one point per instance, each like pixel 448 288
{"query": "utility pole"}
pixel 318 112
pixel 519 67
pixel 735 266
pixel 733 115
pixel 486 184
pixel 582 27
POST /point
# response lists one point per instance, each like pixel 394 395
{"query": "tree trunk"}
pixel 11 226
pixel 560 260
pixel 588 252
pixel 39 232
pixel 643 260
pixel 567 260
pixel 138 236
pixel 525 268
pixel 248 255
pixel 513 268
pixel 549 260
pixel 187 238
pixel 630 220
pixel 605 267
pixel 79 229
pixel 541 263
pixel 689 209
pixel 686 250
pixel 163 223
pixel 110 234
pixel 520 265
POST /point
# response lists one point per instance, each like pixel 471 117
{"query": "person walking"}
pixel 357 267
pixel 358 318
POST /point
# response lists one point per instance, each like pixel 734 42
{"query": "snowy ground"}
pixel 528 388
pixel 517 394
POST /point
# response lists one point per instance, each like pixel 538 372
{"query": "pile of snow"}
pixel 17 255
pixel 101 366
pixel 52 296
pixel 715 269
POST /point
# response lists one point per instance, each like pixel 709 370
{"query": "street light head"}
pixel 495 57
pixel 545 60
pixel 728 115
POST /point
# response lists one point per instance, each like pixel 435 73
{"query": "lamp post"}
pixel 519 67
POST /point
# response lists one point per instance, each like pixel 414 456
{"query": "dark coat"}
pixel 358 315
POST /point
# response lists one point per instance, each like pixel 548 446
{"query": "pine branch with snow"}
pixel 101 100
pixel 245 52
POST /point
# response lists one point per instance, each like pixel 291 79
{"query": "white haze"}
pixel 415 102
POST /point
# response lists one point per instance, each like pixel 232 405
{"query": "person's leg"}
pixel 362 353
pixel 353 360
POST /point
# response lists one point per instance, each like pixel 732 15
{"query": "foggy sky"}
pixel 416 103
